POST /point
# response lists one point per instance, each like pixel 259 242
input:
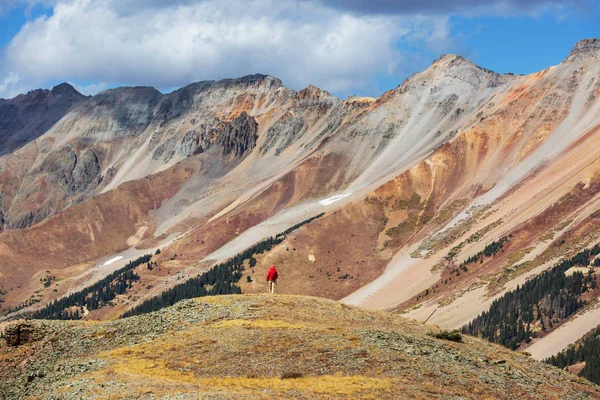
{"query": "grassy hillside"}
pixel 259 346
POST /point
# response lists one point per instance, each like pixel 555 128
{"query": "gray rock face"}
pixel 448 103
pixel 196 141
pixel 282 134
pixel 72 173
pixel 190 98
pixel 131 108
pixel 239 135
pixel 26 220
pixel 86 171
pixel 165 151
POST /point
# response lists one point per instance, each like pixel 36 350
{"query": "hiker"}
pixel 272 279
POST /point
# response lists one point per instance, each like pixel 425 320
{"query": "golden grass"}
pixel 257 323
pixel 327 384
pixel 157 370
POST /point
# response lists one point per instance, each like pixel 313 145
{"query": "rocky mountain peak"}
pixel 312 93
pixel 587 44
pixel 65 89
pixel 449 61
pixel 453 62
pixel 255 80
pixel 585 48
pixel 30 115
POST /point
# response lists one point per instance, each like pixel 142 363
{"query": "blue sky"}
pixel 347 47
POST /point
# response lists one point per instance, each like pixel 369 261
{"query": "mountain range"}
pixel 439 197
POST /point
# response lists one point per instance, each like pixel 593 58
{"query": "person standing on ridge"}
pixel 272 279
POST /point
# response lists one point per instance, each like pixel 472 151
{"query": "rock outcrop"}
pixel 239 136
pixel 24 332
pixel 74 173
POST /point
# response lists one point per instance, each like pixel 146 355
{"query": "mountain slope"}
pixel 413 184
pixel 310 140
pixel 265 347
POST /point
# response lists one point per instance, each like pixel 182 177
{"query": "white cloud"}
pixel 170 44
pixel 91 89
pixel 9 85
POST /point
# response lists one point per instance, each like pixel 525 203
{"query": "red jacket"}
pixel 272 274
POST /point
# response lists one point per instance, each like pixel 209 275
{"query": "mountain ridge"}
pixel 412 184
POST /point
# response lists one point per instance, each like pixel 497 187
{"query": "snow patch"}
pixel 112 260
pixel 333 199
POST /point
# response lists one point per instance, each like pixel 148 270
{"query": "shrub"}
pixel 453 336
pixel 291 375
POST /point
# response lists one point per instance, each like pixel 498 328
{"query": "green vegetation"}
pixel 471 239
pixel 479 234
pixel 29 302
pixel 587 350
pixel 47 280
pixel 219 280
pixel 413 202
pixel 95 296
pixel 445 214
pixel 406 227
pixel 547 299
pixel 559 248
pixel 442 239
pixel 489 251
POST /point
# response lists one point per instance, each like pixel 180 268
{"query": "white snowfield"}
pixel 112 260
pixel 333 199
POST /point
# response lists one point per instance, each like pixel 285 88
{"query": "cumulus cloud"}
pixel 169 44
pixel 9 81
pixel 340 45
